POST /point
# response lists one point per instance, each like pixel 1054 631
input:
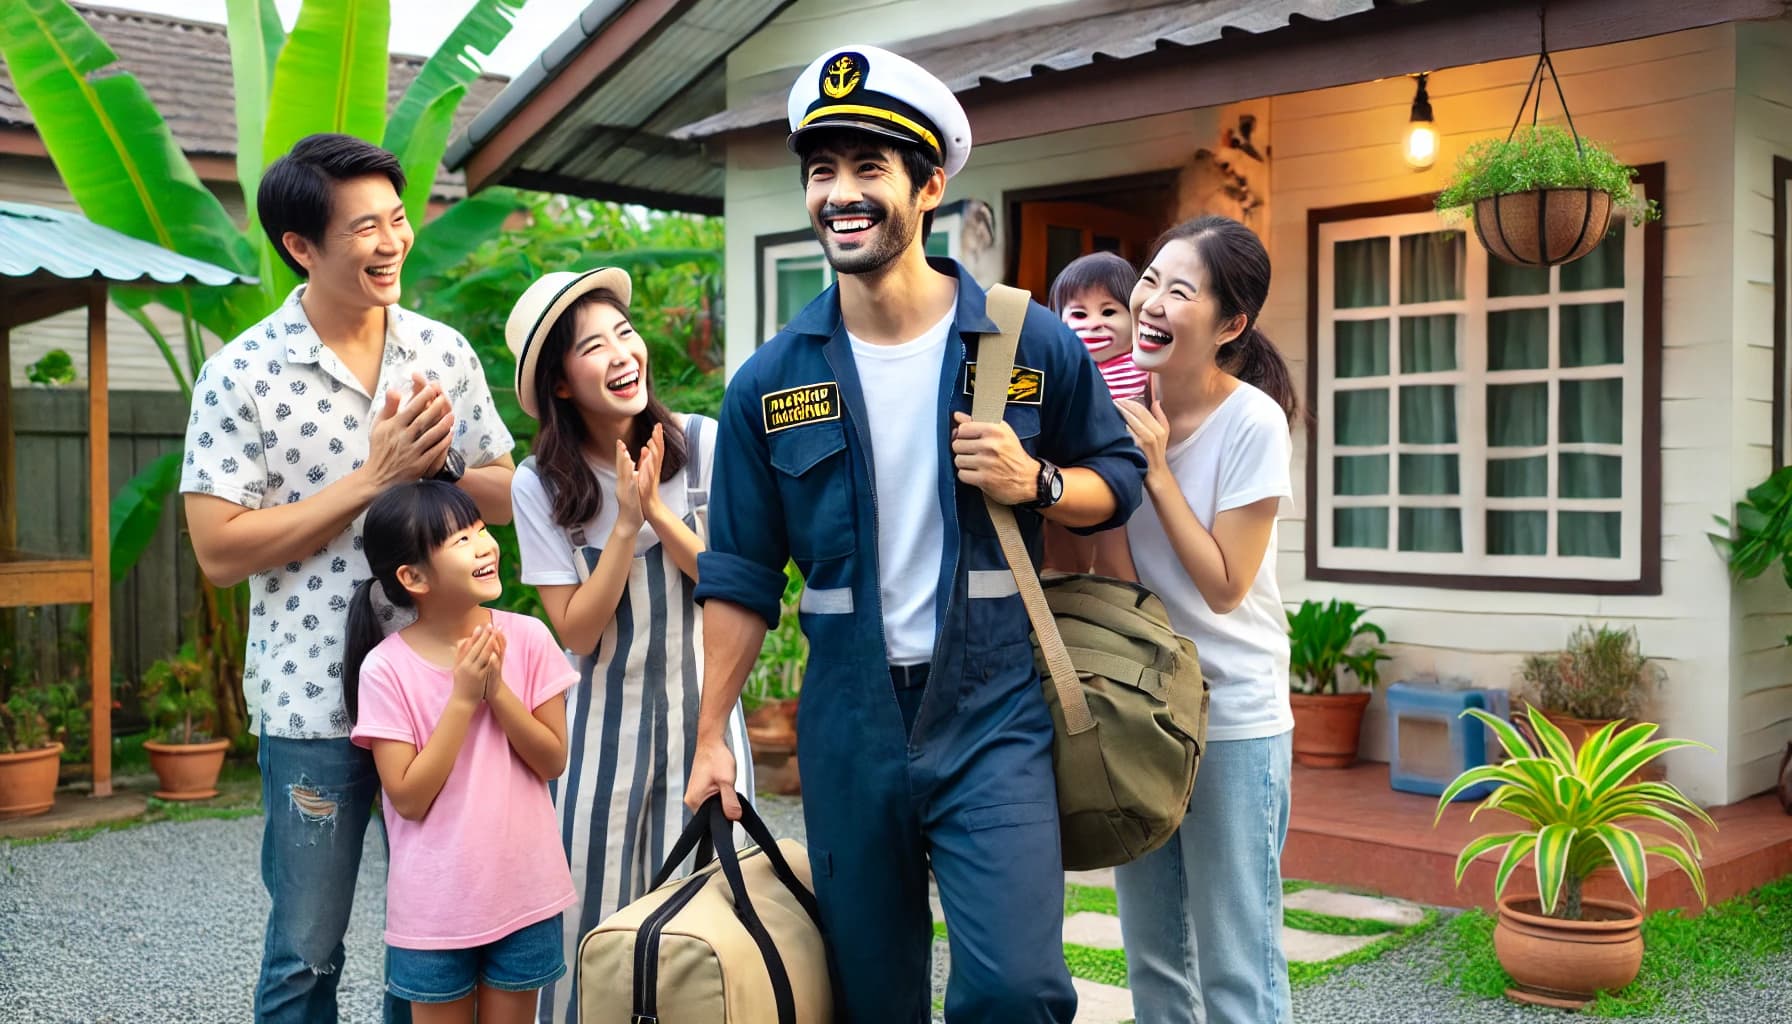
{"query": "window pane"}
pixel 1593 335
pixel 939 244
pixel 1430 529
pixel 1428 343
pixel 1360 273
pixel 1425 473
pixel 1360 527
pixel 1505 279
pixel 1518 339
pixel 1361 348
pixel 1360 474
pixel 1517 533
pixel 1593 411
pixel 1360 417
pixel 1589 534
pixel 1601 268
pixel 1431 266
pixel 799 281
pixel 1061 246
pixel 1518 478
pixel 1428 414
pixel 1580 475
pixel 1517 415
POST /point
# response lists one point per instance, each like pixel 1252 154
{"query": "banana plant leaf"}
pixel 136 511
pixel 256 37
pixel 455 63
pixel 109 143
pixel 446 241
pixel 422 152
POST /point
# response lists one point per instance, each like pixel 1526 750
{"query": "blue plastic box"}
pixel 1431 743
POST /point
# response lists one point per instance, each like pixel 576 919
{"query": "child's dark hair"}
pixel 1238 279
pixel 560 444
pixel 296 189
pixel 404 526
pixel 1098 271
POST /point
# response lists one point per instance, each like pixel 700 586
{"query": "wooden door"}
pixel 1054 233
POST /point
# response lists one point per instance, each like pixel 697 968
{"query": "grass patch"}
pixel 1106 966
pixel 1326 924
pixel 1090 899
pixel 1303 974
pixel 1682 956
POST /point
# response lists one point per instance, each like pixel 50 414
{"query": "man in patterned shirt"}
pixel 297 426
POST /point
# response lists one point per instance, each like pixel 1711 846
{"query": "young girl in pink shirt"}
pixel 464 710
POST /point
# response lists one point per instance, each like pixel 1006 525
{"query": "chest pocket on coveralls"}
pixel 815 482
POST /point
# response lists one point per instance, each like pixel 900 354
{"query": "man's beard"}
pixel 894 231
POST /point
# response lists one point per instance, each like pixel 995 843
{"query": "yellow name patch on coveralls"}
pixel 1026 386
pixel 793 407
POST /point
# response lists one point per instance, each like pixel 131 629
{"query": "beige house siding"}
pixel 133 362
pixel 1704 103
pixel 1760 686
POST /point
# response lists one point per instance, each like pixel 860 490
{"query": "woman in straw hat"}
pixel 609 518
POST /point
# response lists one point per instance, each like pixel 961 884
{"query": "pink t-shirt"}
pixel 486 860
pixel 1124 379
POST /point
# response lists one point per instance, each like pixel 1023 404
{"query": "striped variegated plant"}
pixel 1575 802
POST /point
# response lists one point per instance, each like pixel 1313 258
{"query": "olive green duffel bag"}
pixel 1126 693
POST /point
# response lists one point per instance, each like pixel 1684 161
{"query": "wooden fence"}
pixel 152 607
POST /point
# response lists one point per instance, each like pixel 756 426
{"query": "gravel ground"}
pixel 177 911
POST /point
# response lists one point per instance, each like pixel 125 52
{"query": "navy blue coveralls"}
pixel 950 765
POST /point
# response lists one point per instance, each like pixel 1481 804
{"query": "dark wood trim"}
pixel 1653 178
pixel 1782 304
pixel 1391 40
pixel 540 181
pixel 760 244
pixel 1013 199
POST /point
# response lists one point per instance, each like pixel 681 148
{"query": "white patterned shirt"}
pixel 277 417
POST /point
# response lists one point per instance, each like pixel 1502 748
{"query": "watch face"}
pixel 1057 486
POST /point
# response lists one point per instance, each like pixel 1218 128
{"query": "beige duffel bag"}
pixel 737 942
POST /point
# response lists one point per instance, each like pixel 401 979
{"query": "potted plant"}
pixel 1324 641
pixel 1560 947
pixel 177 697
pixel 1601 676
pixel 29 753
pixel 772 696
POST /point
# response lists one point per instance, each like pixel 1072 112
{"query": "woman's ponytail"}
pixel 1254 359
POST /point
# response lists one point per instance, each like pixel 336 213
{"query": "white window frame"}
pixel 1471 379
pixel 948 223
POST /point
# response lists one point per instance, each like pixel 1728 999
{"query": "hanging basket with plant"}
pixel 1542 196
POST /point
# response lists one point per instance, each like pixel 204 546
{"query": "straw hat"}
pixel 540 308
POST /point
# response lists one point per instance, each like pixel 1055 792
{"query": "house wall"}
pixel 1760 684
pixel 1672 99
pixel 133 363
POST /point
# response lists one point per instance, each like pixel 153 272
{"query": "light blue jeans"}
pixel 1202 915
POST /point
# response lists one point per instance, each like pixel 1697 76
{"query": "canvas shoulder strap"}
pixel 989 396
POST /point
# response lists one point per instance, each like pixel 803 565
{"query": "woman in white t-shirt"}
pixel 1202 915
pixel 609 519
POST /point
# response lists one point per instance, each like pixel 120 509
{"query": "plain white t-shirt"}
pixel 548 558
pixel 902 397
pixel 1238 456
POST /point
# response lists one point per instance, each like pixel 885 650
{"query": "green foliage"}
pixel 1538 157
pixel 1573 802
pixel 1323 639
pixel 41 714
pixel 1303 974
pixel 177 698
pixel 778 672
pixel 1094 899
pixel 1762 532
pixel 54 369
pixel 1601 674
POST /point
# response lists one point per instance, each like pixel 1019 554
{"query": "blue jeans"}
pixel 523 961
pixel 1202 916
pixel 318 796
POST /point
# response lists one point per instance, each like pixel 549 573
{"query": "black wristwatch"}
pixel 453 468
pixel 1050 487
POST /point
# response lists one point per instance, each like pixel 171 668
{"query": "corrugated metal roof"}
pixel 184 66
pixel 965 62
pixel 616 137
pixel 36 240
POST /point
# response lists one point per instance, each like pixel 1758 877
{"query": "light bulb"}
pixel 1421 145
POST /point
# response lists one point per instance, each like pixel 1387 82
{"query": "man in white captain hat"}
pixel 845 444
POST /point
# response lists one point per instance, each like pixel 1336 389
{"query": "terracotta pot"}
pixel 1566 963
pixel 28 781
pixel 1543 228
pixel 1327 727
pixel 771 732
pixel 187 771
pixel 1578 729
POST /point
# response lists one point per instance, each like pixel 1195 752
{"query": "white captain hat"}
pixel 870 89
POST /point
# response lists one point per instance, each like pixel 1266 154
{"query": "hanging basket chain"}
pixel 1533 90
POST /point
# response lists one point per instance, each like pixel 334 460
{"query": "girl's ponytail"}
pixel 1254 359
pixel 364 634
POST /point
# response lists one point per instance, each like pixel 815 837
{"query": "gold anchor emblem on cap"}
pixel 841 78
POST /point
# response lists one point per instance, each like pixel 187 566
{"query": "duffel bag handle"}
pixel 694 837
pixel 721 835
pixel 1007 306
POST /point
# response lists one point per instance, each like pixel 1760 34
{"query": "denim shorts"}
pixel 526 959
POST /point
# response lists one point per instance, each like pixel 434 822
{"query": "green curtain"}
pixel 1360 417
pixel 1360 474
pixel 1432 266
pixel 799 280
pixel 1589 534
pixel 1504 279
pixel 1592 411
pixel 1360 273
pixel 1517 415
pixel 1360 527
pixel 1431 529
pixel 1518 478
pixel 1518 339
pixel 1593 334
pixel 1428 343
pixel 1582 475
pixel 1360 348
pixel 1517 532
pixel 1428 414
pixel 1430 473
pixel 1601 268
